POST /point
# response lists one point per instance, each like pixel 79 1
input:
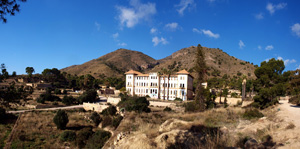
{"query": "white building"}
pixel 155 85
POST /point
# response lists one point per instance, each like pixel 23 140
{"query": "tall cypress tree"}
pixel 200 69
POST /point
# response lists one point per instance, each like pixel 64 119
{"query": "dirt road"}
pixel 46 109
pixel 290 114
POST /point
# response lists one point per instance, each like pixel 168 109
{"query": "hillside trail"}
pixel 290 114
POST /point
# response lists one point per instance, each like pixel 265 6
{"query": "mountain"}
pixel 116 63
pixel 113 64
pixel 217 61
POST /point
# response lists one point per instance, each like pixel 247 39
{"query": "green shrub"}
pixel 68 100
pixel 40 100
pixel 83 135
pixel 252 113
pixel 47 97
pixel 68 136
pixel 65 91
pixel 167 109
pixel 61 119
pixel 2 113
pixel 95 117
pixel 88 96
pixel 57 91
pixel 98 139
pixel 116 121
pixel 111 110
pixel 107 121
pixel 295 100
pixel 138 104
pixel 177 99
pixel 191 106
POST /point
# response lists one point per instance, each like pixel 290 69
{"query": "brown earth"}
pixel 116 63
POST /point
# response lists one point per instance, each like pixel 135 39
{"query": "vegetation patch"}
pixel 252 113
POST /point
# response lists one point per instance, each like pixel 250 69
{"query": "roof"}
pixel 183 72
pixel 133 72
pixel 143 75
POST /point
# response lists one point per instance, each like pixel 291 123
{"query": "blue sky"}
pixel 58 34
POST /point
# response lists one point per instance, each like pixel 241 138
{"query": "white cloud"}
pixel 269 47
pixel 296 29
pixel 298 67
pixel 153 30
pixel 195 30
pixel 115 35
pixel 138 12
pixel 210 34
pixel 122 44
pixel 272 8
pixel 207 33
pixel 97 25
pixel 172 26
pixel 241 44
pixel 157 40
pixel 185 4
pixel 267 59
pixel 259 47
pixel 259 16
pixel 287 61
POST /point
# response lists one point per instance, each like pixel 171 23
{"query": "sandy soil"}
pixel 290 114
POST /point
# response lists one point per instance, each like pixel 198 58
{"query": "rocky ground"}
pixel 222 127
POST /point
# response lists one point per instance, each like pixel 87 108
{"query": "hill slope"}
pixel 116 63
pixel 113 64
pixel 217 61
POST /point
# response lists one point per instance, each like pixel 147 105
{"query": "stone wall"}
pixel 94 107
pixel 113 100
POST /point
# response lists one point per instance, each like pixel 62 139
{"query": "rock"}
pixel 250 144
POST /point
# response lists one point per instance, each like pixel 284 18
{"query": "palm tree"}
pixel 158 76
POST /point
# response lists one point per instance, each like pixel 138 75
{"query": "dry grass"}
pixel 37 130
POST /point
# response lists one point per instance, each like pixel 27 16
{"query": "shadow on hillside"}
pixel 78 127
pixel 198 136
pixel 295 106
pixel 8 119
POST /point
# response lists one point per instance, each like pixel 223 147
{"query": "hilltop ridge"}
pixel 116 63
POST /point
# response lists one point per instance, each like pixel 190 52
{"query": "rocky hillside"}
pixel 118 62
pixel 217 61
pixel 114 64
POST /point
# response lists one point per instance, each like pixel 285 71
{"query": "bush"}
pixel 88 96
pixel 61 119
pixel 168 109
pixel 138 104
pixel 83 135
pixel 107 121
pixel 65 91
pixel 116 121
pixel 40 100
pixel 295 100
pixel 177 99
pixel 252 113
pixel 68 136
pixel 95 117
pixel 191 106
pixel 47 97
pixel 111 110
pixel 57 91
pixel 98 139
pixel 2 113
pixel 68 100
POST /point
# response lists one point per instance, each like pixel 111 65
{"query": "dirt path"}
pixel 290 114
pixel 46 109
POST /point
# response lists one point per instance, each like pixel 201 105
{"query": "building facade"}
pixel 154 85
